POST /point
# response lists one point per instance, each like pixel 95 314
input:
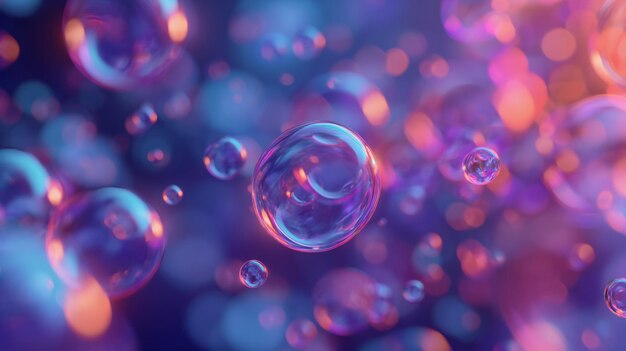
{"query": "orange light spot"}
pixel 9 49
pixel 55 251
pixel 375 108
pixel 422 133
pixel 74 34
pixel 515 105
pixel 397 62
pixel 55 193
pixel 266 219
pixel 88 310
pixel 568 161
pixel 501 27
pixel 177 26
pixel 559 44
pixel 544 145
pixel 156 226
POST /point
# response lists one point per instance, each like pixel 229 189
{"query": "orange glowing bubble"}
pixel 501 27
pixel 619 174
pixel 567 161
pixel 422 133
pixel 88 310
pixel 584 252
pixel 177 26
pixel 474 258
pixel 74 34
pixel 397 62
pixel 55 193
pixel 509 64
pixel 544 145
pixel 559 44
pixel 520 102
pixel 9 50
pixel 375 108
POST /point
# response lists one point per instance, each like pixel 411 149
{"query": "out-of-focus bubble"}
pixel 172 195
pixel 110 235
pixel 413 291
pixel 481 166
pixel 24 187
pixel 274 46
pixel 606 56
pixel 410 339
pixel 88 309
pixel 316 187
pixel 300 333
pixel 124 44
pixel 19 8
pixel 9 49
pixel 343 301
pixel 472 21
pixel 475 259
pixel 177 106
pixel 253 274
pixel 144 118
pixel 615 297
pixel 225 158
pixel 345 98
pixel 308 43
pixel 581 256
pixel 37 99
pixel 455 318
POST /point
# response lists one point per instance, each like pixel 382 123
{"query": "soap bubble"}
pixel 481 166
pixel 316 187
pixel 123 44
pixel 144 118
pixel 615 297
pixel 606 42
pixel 413 291
pixel 225 158
pixel 308 43
pixel 172 195
pixel 253 274
pixel 300 333
pixel 110 235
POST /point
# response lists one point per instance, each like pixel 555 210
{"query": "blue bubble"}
pixel 308 43
pixel 615 297
pixel 253 274
pixel 144 118
pixel 481 166
pixel 225 158
pixel 316 187
pixel 110 235
pixel 172 195
pixel 413 291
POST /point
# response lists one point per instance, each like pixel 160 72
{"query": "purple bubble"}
pixel 225 158
pixel 615 297
pixel 481 166
pixel 253 274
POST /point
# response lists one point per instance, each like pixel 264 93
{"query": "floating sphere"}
pixel 308 43
pixel 110 235
pixel 615 297
pixel 225 158
pixel 316 187
pixel 140 121
pixel 413 291
pixel 481 166
pixel 606 42
pixel 24 185
pixel 253 274
pixel 124 44
pixel 172 195
pixel 300 333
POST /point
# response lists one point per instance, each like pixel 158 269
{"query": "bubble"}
pixel 24 186
pixel 274 46
pixel 172 195
pixel 110 235
pixel 144 118
pixel 316 187
pixel 124 44
pixel 308 43
pixel 253 274
pixel 468 20
pixel 606 57
pixel 9 49
pixel 300 333
pixel 413 291
pixel 225 158
pixel 615 297
pixel 481 166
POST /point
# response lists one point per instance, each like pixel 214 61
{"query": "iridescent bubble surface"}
pixel 225 158
pixel 24 186
pixel 308 43
pixel 300 333
pixel 144 118
pixel 615 297
pixel 123 44
pixel 110 235
pixel 253 274
pixel 481 166
pixel 607 57
pixel 316 187
pixel 172 195
pixel 413 291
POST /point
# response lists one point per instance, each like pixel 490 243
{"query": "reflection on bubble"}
pixel 172 195
pixel 413 291
pixel 141 120
pixel 615 297
pixel 123 44
pixel 343 300
pixel 308 43
pixel 225 158
pixel 481 166
pixel 316 187
pixel 109 235
pixel 300 333
pixel 606 56
pixel 24 187
pixel 253 274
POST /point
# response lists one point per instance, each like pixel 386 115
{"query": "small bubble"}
pixel 481 166
pixel 615 297
pixel 172 195
pixel 300 333
pixel 413 291
pixel 253 274
pixel 140 121
pixel 225 158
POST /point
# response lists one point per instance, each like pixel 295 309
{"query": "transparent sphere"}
pixel 481 166
pixel 253 274
pixel 308 43
pixel 140 121
pixel 110 235
pixel 607 57
pixel 615 297
pixel 172 195
pixel 316 187
pixel 24 186
pixel 124 44
pixel 413 291
pixel 225 158
pixel 300 333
